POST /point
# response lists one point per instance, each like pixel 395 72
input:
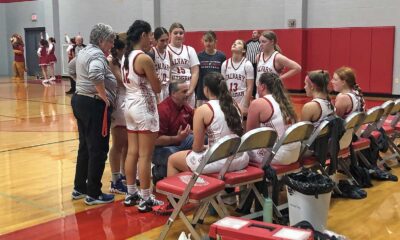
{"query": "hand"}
pixel 243 110
pixel 183 133
pixel 106 101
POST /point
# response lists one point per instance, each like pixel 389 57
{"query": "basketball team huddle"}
pixel 165 105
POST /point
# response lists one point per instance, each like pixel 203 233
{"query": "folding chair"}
pixel 391 128
pixel 197 188
pixel 298 132
pixel 307 162
pixel 389 131
pixel 372 118
pixel 351 125
pixel 258 138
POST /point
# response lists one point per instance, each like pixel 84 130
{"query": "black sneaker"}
pixel 77 195
pixel 147 206
pixel 131 199
pixel 103 198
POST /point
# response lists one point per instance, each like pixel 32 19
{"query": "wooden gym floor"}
pixel 38 146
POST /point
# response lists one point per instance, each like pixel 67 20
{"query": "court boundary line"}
pixel 37 145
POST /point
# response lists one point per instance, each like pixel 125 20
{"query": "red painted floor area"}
pixel 111 221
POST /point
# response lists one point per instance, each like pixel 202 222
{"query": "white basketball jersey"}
pixel 218 127
pixel 135 84
pixel 236 78
pixel 162 63
pixel 266 65
pixel 326 110
pixel 356 103
pixel 276 121
pixel 180 63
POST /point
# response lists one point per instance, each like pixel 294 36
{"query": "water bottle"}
pixel 267 210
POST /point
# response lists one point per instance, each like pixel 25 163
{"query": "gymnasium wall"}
pixel 18 17
pixel 5 63
pixel 325 20
pixel 361 13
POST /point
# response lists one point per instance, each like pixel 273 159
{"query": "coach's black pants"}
pixel 93 147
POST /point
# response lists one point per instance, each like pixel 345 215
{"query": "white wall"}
pixel 4 42
pixel 17 17
pixel 222 14
pixel 78 16
pixel 359 13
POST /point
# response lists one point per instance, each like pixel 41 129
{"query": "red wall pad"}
pixel 382 58
pixel 360 55
pixel 369 50
pixel 318 48
pixel 291 41
pixel 340 49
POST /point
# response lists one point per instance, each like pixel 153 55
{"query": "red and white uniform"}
pixel 355 101
pixel 236 76
pixel 162 63
pixel 118 115
pixel 42 53
pixel 266 65
pixel 141 113
pixel 326 110
pixel 287 154
pixel 51 57
pixel 182 60
pixel 217 129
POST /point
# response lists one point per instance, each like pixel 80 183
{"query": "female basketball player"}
pixel 316 86
pixel 141 115
pixel 271 60
pixel 239 75
pixel 185 64
pixel 350 98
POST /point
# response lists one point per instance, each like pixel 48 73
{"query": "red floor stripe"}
pixel 111 221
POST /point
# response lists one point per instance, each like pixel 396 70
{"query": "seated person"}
pixel 350 98
pixel 216 118
pixel 316 86
pixel 175 134
pixel 273 109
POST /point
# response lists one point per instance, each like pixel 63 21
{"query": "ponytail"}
pixel 275 87
pixel 216 83
pixel 360 95
pixel 133 36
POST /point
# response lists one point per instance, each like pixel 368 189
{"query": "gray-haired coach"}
pixel 92 106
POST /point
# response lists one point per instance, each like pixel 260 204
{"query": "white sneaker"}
pixel 231 200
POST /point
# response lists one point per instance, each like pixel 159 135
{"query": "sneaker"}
pixel 103 198
pixel 46 82
pixel 118 187
pixel 165 209
pixel 77 195
pixel 131 199
pixel 147 206
pixel 231 200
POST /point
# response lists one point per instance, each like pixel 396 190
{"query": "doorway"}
pixel 32 43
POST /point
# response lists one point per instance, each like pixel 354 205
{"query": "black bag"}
pixel 361 175
pixel 317 235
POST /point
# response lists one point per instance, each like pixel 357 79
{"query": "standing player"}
pixel 271 60
pixel 210 61
pixel 118 125
pixel 239 75
pixel 162 60
pixel 141 115
pixel 185 64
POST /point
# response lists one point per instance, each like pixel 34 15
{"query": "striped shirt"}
pixel 253 48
